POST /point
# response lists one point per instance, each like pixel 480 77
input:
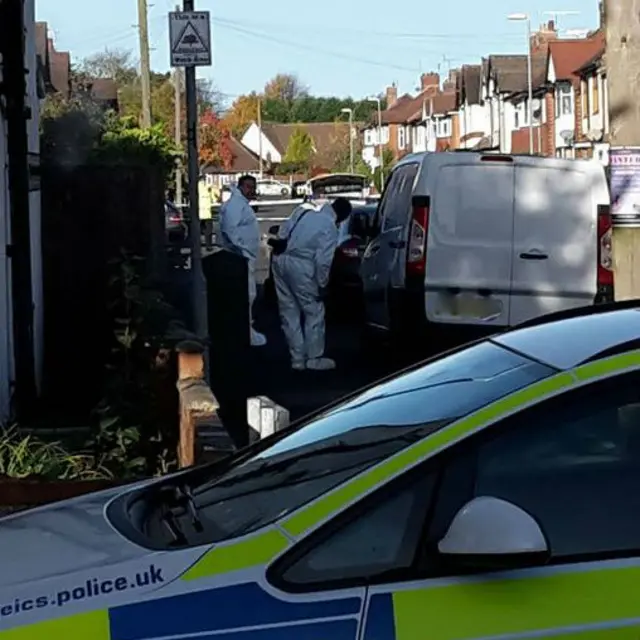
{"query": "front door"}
pixel 384 257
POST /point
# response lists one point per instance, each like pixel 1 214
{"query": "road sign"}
pixel 190 36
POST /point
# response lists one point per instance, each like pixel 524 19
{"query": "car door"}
pixel 568 463
pixel 469 246
pixel 554 240
pixel 384 256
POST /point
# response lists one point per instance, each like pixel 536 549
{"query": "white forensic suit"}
pixel 240 233
pixel 300 273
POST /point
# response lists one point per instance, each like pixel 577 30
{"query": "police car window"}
pixel 383 539
pixel 399 204
pixel 574 464
pixel 346 440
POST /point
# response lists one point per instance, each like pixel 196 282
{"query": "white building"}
pixel 6 334
pixel 474 120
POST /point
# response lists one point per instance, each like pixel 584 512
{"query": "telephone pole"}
pixel 622 62
pixel 145 62
pixel 177 79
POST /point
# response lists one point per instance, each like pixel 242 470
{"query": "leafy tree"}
pixel 242 113
pixel 117 64
pixel 285 87
pixel 300 151
pixel 214 142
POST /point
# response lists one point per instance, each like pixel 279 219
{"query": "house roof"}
pixel 442 103
pixel 104 89
pixel 470 80
pixel 507 71
pixel 400 111
pixel 520 81
pixel 594 61
pixel 244 161
pixel 569 55
pixel 327 137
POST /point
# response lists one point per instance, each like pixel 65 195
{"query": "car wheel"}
pixel 284 192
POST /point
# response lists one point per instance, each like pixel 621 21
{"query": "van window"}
pixel 398 205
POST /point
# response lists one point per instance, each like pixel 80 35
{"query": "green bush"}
pixel 24 456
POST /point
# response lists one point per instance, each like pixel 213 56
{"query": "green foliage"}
pixel 306 108
pixel 387 164
pixel 136 422
pixel 299 152
pixel 23 456
pixel 124 142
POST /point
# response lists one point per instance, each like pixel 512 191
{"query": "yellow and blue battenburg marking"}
pixel 237 612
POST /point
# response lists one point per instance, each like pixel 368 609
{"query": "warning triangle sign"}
pixel 190 41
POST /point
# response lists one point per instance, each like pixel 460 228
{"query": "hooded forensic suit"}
pixel 240 233
pixel 300 275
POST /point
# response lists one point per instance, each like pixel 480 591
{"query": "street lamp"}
pixel 523 17
pixel 377 100
pixel 350 112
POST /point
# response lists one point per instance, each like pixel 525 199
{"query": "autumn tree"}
pixel 214 143
pixel 242 113
pixel 300 152
pixel 285 87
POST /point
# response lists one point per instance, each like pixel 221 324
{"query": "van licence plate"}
pixel 468 305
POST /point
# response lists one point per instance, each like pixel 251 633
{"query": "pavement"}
pixel 303 392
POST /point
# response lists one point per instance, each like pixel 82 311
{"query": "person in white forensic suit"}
pixel 240 233
pixel 301 275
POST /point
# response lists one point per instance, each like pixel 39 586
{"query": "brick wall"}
pixel 549 128
pixel 578 112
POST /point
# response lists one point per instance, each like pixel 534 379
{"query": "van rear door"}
pixel 469 246
pixel 555 237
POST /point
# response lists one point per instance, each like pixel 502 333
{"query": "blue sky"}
pixel 336 47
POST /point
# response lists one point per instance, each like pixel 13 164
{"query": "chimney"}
pixel 430 83
pixel 541 38
pixel 451 83
pixel 391 95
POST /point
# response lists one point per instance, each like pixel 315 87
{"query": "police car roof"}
pixel 569 339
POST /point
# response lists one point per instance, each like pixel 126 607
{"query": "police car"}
pixel 492 492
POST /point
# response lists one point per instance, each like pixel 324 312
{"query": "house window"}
pixel 368 138
pixel 444 128
pixel 524 106
pixel 401 138
pixel 516 117
pixel 385 135
pixel 584 94
pixel 564 99
pixel 595 94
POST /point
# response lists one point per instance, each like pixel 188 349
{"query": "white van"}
pixel 487 241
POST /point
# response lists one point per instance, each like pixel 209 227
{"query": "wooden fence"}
pixel 89 214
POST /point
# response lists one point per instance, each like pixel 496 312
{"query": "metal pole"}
pixel 351 140
pixel 380 144
pixel 198 293
pixel 530 86
pixel 145 63
pixel 178 129
pixel 260 137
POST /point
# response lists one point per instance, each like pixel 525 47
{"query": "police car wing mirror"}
pixel 273 229
pixel 492 533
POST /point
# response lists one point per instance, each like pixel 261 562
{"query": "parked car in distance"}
pixel 272 188
pixel 176 227
pixel 473 243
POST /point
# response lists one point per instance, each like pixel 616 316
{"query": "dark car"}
pixel 345 285
pixel 175 222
